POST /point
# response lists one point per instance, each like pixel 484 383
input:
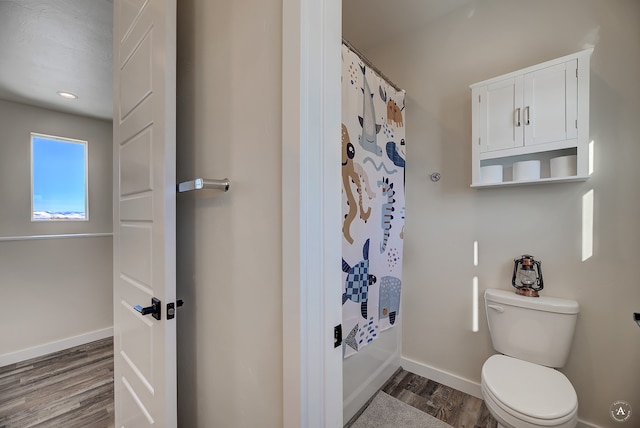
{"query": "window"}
pixel 58 179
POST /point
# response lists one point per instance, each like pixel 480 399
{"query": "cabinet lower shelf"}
pixel 529 182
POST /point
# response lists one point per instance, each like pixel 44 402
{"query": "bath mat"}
pixel 388 412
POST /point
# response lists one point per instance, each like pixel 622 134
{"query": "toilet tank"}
pixel 534 329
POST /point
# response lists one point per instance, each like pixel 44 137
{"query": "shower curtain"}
pixel 373 164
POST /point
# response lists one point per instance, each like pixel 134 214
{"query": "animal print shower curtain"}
pixel 373 161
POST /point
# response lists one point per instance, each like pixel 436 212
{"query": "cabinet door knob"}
pixel 526 111
pixel 517 116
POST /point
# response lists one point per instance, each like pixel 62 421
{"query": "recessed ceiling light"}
pixel 67 95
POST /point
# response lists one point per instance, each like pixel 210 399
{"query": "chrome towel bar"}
pixel 204 183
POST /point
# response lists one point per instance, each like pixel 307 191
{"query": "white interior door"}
pixel 144 212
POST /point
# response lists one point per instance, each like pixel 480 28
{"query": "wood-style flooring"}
pixel 456 408
pixel 71 389
pixel 74 389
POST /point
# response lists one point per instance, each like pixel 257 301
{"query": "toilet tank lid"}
pixel 542 303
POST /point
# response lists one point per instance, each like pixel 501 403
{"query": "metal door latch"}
pixel 171 308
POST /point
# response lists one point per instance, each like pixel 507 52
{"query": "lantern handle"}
pixel 515 269
pixel 539 263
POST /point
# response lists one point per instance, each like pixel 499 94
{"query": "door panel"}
pixel 144 211
pixel 134 89
pixel 550 95
pixel 135 255
pixel 135 166
pixel 501 111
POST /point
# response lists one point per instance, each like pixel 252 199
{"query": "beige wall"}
pixel 54 289
pixel 229 245
pixel 436 65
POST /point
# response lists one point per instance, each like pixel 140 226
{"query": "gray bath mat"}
pixel 388 412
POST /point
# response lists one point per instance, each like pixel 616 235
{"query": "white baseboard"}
pixel 59 345
pixel 584 424
pixel 457 382
pixel 441 376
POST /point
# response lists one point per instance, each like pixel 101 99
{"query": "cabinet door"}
pixel 550 104
pixel 501 115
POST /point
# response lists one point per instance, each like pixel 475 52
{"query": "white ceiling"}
pixel 65 45
pixel 57 45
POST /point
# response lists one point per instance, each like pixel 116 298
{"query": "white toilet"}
pixel 521 388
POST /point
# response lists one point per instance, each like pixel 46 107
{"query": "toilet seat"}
pixel 530 393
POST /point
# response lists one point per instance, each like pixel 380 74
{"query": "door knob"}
pixel 154 309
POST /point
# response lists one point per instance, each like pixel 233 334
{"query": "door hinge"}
pixel 576 123
pixel 337 335
pixel 479 98
pixel 171 308
pixel 576 71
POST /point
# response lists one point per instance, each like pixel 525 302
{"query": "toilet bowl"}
pixel 520 394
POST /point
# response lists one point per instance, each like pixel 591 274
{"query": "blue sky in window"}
pixel 59 183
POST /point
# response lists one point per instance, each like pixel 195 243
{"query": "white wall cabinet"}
pixel 537 113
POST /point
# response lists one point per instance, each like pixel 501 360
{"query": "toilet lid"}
pixel 530 389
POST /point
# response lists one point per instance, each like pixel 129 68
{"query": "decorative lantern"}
pixel 527 276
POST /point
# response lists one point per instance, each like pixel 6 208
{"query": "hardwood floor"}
pixel 71 389
pixel 447 404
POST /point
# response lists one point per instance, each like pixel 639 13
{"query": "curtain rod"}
pixel 370 65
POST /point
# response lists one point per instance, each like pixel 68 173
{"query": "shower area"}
pixel 373 208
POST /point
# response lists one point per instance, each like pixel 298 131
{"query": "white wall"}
pixel 229 245
pixel 55 292
pixel 435 65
